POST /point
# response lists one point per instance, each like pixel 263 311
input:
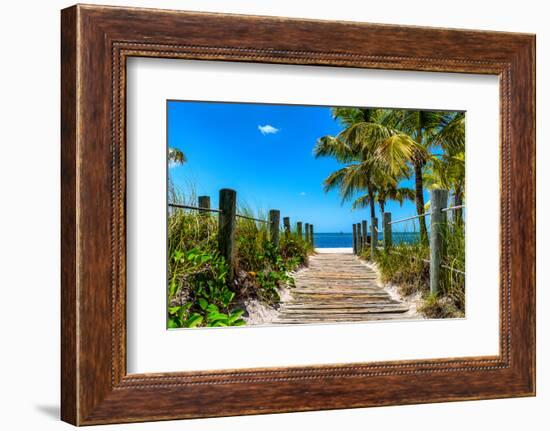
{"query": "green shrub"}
pixel 202 276
pixel 294 250
pixel 198 291
pixel 439 307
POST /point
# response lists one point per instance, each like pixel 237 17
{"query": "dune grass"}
pixel 407 266
pixel 199 292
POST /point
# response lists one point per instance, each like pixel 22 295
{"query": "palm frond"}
pixel 363 137
pixel 348 180
pixel 451 135
pixel 330 146
pixel 361 202
pixel 403 194
pixel 176 156
pixel 397 151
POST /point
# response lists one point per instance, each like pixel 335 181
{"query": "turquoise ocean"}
pixel 344 240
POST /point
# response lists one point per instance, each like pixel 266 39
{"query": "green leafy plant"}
pixel 203 276
pixel 180 317
pixel 214 317
pixel 199 293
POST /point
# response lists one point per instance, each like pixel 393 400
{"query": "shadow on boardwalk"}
pixel 338 287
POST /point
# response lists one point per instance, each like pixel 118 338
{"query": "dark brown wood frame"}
pixel 96 41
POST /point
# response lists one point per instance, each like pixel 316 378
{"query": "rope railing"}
pixel 426 214
pixel 251 218
pixel 411 218
pixel 456 207
pixel 214 210
pixel 191 207
pixel 450 268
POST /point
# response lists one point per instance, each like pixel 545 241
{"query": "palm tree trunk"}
pixel 370 191
pixel 457 214
pixel 382 205
pixel 419 192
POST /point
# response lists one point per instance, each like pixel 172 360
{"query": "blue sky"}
pixel 264 152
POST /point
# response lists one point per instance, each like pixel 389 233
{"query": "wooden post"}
pixel 307 232
pixel 226 229
pixel 373 237
pixel 359 239
pixel 457 213
pixel 364 231
pixel 274 220
pixel 311 235
pixel 286 224
pixel 299 229
pixel 386 220
pixel 360 246
pixel 354 238
pixel 204 202
pixel 438 201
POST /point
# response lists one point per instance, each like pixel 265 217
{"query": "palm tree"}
pixel 420 126
pixel 390 192
pixel 176 156
pixel 353 178
pixel 371 149
pixel 450 168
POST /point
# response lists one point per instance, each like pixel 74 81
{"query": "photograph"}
pixel 293 214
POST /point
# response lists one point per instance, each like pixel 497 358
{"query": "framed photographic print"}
pixel 259 216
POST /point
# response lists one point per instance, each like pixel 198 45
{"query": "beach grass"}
pixel 200 292
pixel 407 266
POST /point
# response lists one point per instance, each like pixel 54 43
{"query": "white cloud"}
pixel 302 193
pixel 267 129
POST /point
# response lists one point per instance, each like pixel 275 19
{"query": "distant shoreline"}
pixel 350 233
pixel 337 240
pixel 343 250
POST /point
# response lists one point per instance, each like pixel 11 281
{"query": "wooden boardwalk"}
pixel 337 287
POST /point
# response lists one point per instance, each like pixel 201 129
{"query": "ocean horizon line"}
pixel 351 233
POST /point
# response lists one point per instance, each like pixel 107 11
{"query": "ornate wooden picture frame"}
pixel 96 42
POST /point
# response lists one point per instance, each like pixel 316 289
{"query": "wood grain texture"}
pixel 96 41
pixel 69 397
pixel 338 287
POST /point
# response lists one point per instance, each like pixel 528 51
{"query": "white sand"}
pixel 414 301
pixel 263 314
pixel 259 313
pixel 344 250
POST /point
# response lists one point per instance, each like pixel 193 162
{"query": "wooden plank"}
pixel 336 304
pixel 338 287
pixel 340 306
